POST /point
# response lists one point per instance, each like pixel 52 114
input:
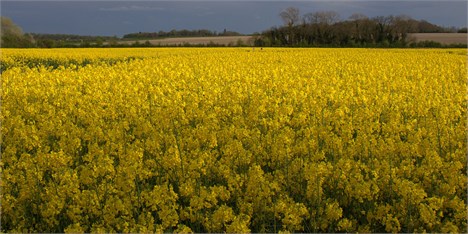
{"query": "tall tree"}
pixel 359 30
pixel 290 17
pixel 321 23
pixel 10 28
pixel 323 17
pixel 12 35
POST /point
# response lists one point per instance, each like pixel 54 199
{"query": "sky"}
pixel 116 18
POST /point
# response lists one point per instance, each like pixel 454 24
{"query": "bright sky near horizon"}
pixel 109 18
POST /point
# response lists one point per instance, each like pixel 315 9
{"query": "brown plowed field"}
pixel 443 38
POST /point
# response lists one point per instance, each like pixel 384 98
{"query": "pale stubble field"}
pixel 443 38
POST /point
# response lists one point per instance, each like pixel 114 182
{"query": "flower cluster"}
pixel 233 140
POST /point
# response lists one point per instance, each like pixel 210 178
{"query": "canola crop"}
pixel 234 140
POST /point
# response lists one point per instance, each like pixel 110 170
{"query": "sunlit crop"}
pixel 233 140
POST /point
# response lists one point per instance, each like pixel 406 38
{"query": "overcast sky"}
pixel 121 17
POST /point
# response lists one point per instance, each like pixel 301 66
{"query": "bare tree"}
pixel 290 16
pixel 321 24
pixel 322 17
pixel 308 18
pixel 359 25
pixel 358 17
pixel 383 26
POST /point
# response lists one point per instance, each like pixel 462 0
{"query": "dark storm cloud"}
pixel 121 17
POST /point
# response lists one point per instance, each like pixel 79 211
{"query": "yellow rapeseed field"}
pixel 234 140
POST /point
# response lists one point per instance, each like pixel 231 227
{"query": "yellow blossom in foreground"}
pixel 233 140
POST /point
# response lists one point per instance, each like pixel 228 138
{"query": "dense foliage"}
pixel 327 29
pixel 12 36
pixel 234 140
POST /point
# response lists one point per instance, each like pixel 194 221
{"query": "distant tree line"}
pixel 320 29
pixel 179 33
pixel 12 36
pixel 69 40
pixel 325 28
